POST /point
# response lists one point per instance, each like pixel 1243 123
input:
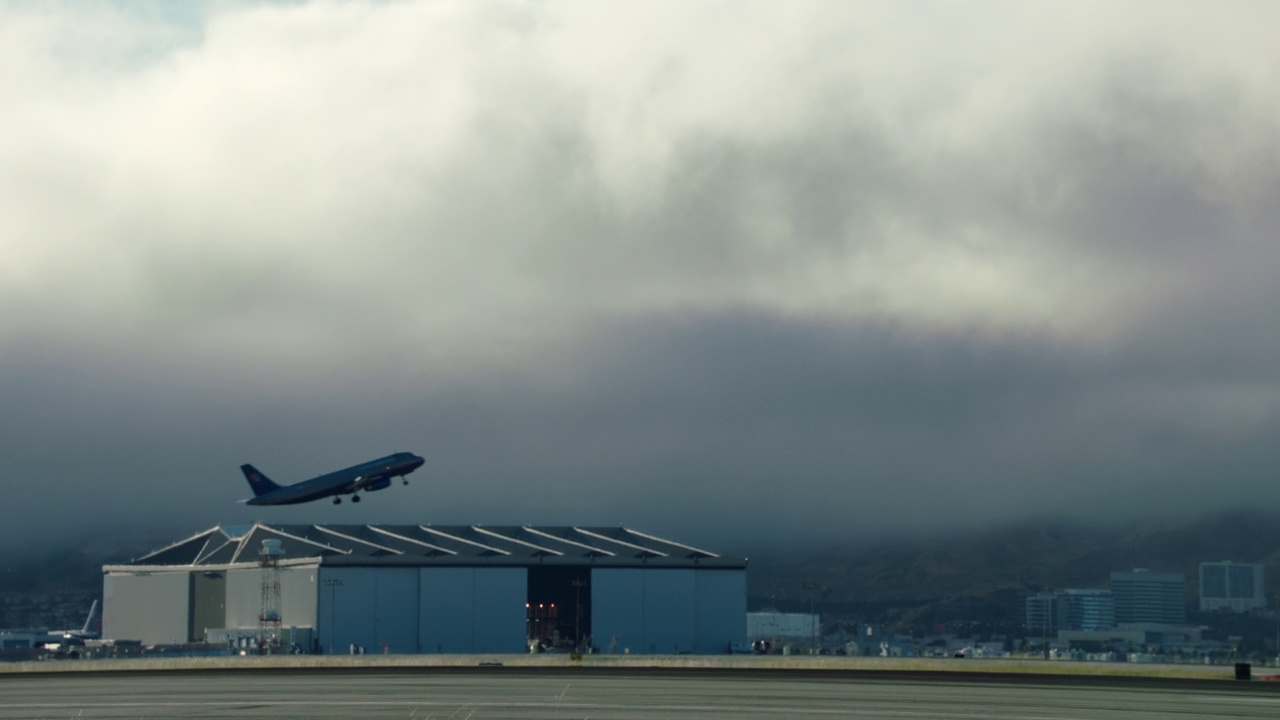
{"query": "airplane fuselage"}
pixel 371 476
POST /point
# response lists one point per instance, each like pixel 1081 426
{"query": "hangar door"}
pixel 149 606
pixel 368 610
pixel 559 606
pixel 208 603
pixel 668 611
pixel 472 610
pixel 421 610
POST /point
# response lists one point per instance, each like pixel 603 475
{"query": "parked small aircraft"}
pixel 84 633
pixel 370 476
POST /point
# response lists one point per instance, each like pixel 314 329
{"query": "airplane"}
pixel 83 633
pixel 370 476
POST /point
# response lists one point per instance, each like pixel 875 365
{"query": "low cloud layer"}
pixel 706 268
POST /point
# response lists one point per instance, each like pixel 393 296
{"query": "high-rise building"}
pixel 1074 609
pixel 1042 613
pixel 1141 596
pixel 1087 609
pixel 1231 586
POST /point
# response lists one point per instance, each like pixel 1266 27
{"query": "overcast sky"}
pixel 718 270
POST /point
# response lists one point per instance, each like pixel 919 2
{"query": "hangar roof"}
pixel 415 545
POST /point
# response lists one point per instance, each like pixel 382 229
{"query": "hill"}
pixel 1030 556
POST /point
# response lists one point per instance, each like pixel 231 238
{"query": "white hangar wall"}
pixel 297 597
pixel 661 611
pixel 153 607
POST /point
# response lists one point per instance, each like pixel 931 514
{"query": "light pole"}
pixel 333 584
pixel 1044 635
pixel 577 584
pixel 1050 605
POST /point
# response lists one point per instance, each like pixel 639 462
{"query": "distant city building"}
pixel 783 627
pixel 1074 609
pixel 1141 596
pixel 1135 637
pixel 23 638
pixel 1086 609
pixel 1042 613
pixel 1231 586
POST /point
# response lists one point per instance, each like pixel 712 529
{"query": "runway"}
pixel 499 693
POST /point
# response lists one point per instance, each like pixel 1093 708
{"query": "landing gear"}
pixel 355 498
pixel 337 501
pixel 405 480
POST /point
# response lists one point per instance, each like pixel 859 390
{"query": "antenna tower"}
pixel 269 617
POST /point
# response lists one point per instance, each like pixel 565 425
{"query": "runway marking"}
pixel 1249 700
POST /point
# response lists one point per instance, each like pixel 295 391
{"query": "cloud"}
pixel 987 258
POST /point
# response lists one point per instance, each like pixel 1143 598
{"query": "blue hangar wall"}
pixel 485 610
pixel 422 610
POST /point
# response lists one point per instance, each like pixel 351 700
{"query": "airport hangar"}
pixel 431 589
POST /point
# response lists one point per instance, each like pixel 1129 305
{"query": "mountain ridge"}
pixel 1042 554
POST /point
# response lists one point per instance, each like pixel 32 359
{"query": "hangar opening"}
pixel 430 589
pixel 208 603
pixel 559 608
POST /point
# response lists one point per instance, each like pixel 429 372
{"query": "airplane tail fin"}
pixel 93 610
pixel 260 483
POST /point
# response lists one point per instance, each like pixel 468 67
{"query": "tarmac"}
pixel 704 662
pixel 637 687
